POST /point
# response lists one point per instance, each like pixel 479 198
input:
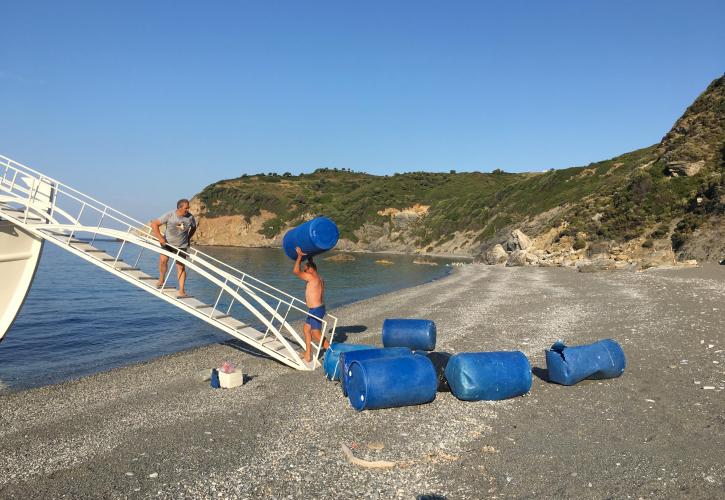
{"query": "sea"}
pixel 79 320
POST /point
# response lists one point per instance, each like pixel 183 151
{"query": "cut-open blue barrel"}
pixel 391 382
pixel 348 357
pixel 313 237
pixel 600 360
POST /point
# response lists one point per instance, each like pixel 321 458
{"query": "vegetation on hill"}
pixel 353 198
pixel 618 199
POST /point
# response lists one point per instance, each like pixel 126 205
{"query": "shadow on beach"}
pixel 342 332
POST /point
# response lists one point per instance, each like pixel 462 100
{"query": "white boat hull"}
pixel 19 257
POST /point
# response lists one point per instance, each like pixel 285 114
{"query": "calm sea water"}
pixel 78 319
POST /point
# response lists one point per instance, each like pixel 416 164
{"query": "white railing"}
pixel 66 221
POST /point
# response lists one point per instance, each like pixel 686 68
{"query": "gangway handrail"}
pixel 149 239
pixel 139 233
pixel 59 186
pixel 192 265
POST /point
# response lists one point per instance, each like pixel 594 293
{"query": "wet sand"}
pixel 154 429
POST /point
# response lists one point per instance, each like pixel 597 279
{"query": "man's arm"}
pixel 299 273
pixel 192 229
pixel 155 227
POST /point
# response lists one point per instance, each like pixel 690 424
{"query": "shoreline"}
pixel 368 252
pixel 154 428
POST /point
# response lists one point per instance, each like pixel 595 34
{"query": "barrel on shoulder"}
pixel 313 237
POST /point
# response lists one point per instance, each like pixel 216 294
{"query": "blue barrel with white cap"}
pixel 348 357
pixel 391 382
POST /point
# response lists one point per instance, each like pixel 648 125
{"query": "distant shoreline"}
pixel 386 252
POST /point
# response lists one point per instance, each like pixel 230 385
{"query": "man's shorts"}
pixel 315 323
pixel 182 252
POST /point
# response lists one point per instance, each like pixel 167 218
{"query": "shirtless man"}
pixel 315 299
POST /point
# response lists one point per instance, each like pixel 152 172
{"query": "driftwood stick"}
pixel 379 464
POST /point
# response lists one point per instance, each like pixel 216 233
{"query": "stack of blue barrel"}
pixel 394 375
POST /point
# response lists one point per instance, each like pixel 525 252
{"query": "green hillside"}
pixel 617 199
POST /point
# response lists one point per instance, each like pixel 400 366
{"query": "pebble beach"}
pixel 157 429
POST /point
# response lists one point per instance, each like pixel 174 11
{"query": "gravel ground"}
pixel 155 429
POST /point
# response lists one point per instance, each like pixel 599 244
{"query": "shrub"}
pixel 678 239
pixel 661 231
pixel 272 227
pixel 579 244
pixel 648 243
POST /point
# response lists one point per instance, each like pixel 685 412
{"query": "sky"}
pixel 140 103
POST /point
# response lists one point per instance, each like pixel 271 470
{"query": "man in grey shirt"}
pixel 180 227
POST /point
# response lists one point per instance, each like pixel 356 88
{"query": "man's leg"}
pixel 316 334
pixel 308 342
pixel 181 275
pixel 163 266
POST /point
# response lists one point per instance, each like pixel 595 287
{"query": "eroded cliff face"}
pixel 232 230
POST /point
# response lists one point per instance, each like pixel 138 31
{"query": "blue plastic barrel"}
pixel 569 365
pixel 416 334
pixel 391 382
pixel 332 358
pixel 313 237
pixel 348 357
pixel 476 376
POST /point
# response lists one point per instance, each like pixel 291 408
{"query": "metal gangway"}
pixel 35 208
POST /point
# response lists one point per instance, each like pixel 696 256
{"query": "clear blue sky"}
pixel 142 102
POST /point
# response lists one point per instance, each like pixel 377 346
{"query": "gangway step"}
pixel 232 322
pixel 209 311
pixel 189 301
pixel 19 213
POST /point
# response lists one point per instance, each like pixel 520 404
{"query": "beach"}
pixel 156 429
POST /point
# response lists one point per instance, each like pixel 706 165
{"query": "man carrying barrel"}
pixel 315 300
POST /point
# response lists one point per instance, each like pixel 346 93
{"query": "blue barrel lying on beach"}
pixel 476 376
pixel 332 358
pixel 348 357
pixel 569 365
pixel 440 362
pixel 391 382
pixel 313 237
pixel 416 334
